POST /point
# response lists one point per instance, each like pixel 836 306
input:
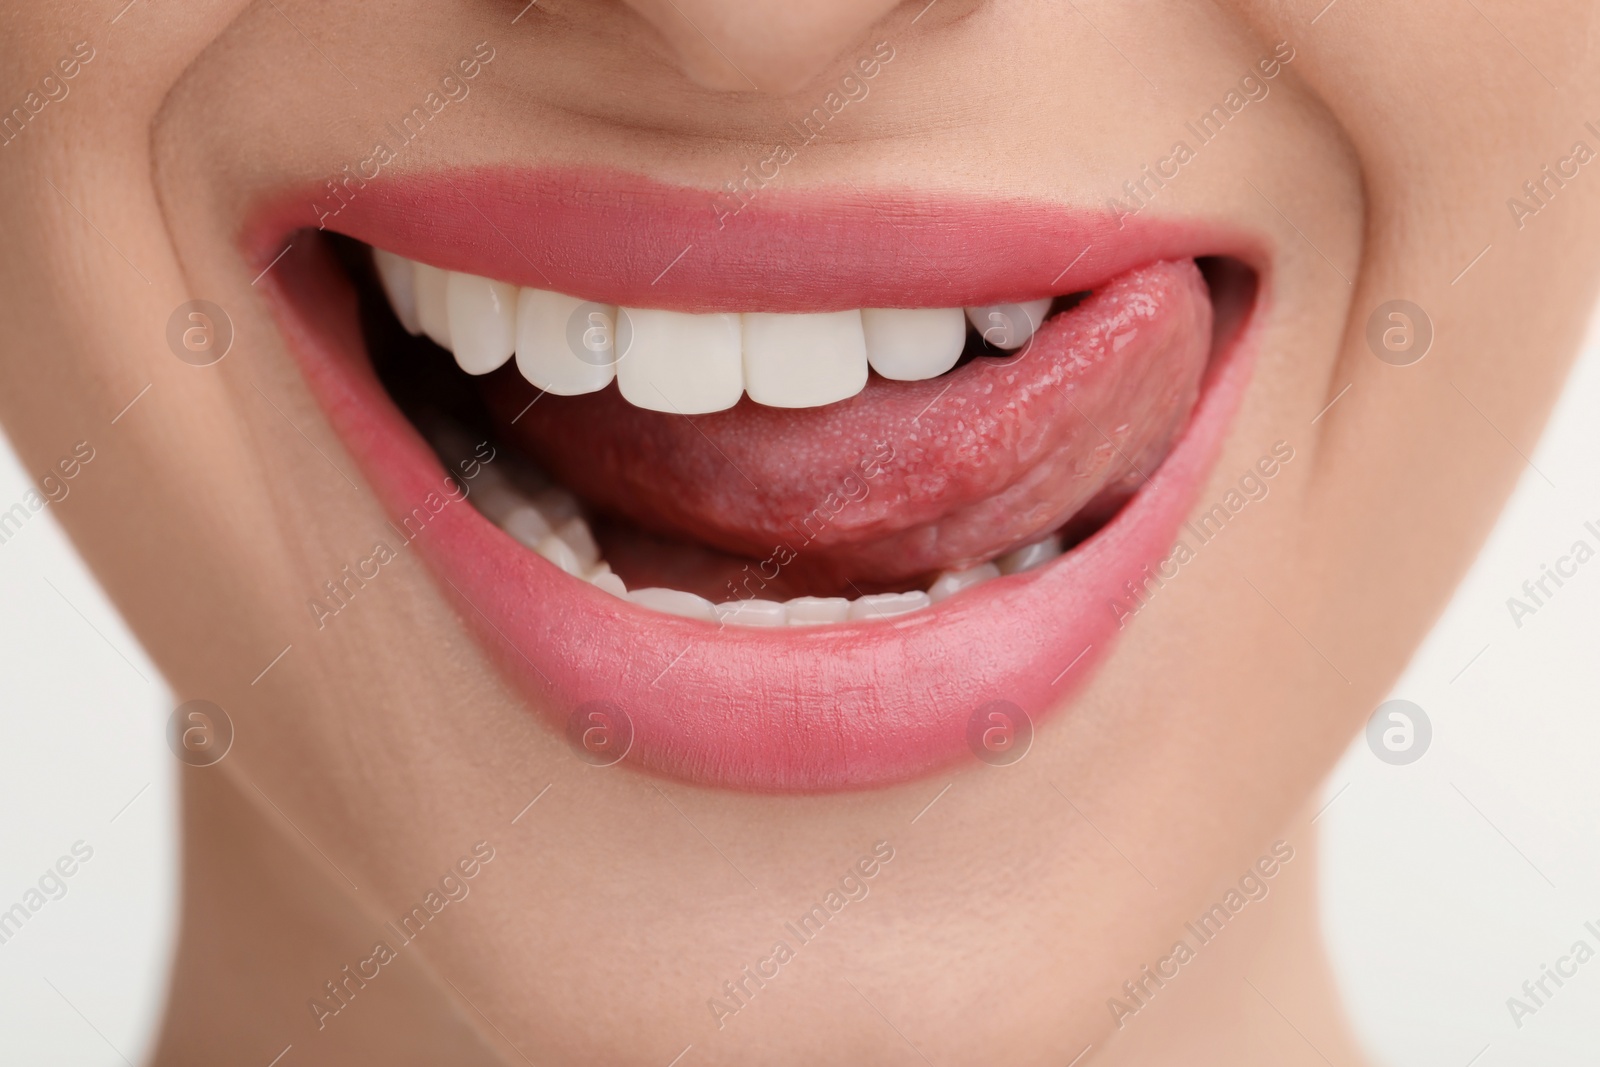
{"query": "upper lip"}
pixel 799 710
pixel 629 240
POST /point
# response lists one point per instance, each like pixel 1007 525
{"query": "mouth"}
pixel 796 513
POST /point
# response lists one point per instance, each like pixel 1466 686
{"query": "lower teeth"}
pixel 548 520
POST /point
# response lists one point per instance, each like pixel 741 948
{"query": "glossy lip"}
pixel 622 239
pixel 808 710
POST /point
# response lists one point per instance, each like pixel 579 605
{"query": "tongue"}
pixel 906 478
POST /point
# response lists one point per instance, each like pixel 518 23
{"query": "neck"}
pixel 264 931
pixel 1261 993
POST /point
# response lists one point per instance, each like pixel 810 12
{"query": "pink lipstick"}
pixel 1096 436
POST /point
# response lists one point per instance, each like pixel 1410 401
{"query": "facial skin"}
pixel 376 753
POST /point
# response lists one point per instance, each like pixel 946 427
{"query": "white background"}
pixel 1448 882
pixel 1451 881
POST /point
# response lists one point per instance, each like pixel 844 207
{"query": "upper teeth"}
pixel 686 363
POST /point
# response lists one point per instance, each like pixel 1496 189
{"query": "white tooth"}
pixel 601 576
pixel 545 353
pixel 560 553
pixel 950 583
pixel 888 605
pixel 688 364
pixel 433 308
pixel 556 503
pixel 490 473
pixel 1008 326
pixel 803 361
pixel 812 610
pixel 494 498
pixel 753 613
pixel 527 524
pixel 610 583
pixel 674 602
pixel 575 532
pixel 1030 556
pixel 910 344
pixel 400 284
pixel 483 321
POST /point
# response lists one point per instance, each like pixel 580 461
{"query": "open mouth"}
pixel 777 531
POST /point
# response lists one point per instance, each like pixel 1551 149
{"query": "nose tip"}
pixel 768 46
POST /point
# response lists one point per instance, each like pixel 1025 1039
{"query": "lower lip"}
pixel 799 710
